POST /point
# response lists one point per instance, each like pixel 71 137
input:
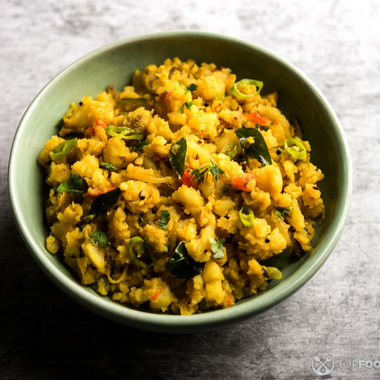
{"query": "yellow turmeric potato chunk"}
pixel 71 214
pixel 117 225
pixel 213 276
pixel 157 238
pixel 158 293
pixel 78 118
pixel 190 199
pixel 160 127
pixel 58 173
pixel 187 229
pixel 52 244
pixel 95 254
pixel 44 158
pixel 140 197
pixel 86 167
pixel 200 249
pixel 204 124
pixel 269 179
pixel 211 87
pixel 117 153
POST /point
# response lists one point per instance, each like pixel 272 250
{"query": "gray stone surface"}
pixel 44 335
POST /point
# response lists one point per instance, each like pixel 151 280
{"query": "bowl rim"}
pixel 209 320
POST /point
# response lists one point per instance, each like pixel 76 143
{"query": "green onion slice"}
pixel 100 239
pixel 124 133
pixel 109 166
pixel 246 216
pixel 217 248
pixel 230 149
pixel 295 148
pixel 63 149
pixel 239 95
pixel 137 249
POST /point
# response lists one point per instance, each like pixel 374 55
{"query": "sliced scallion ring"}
pixel 295 148
pixel 230 149
pixel 239 95
pixel 124 133
pixel 63 149
pixel 138 249
pixel 246 216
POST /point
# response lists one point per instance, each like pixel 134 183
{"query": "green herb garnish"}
pixel 124 133
pixel 217 248
pixel 137 146
pixel 74 186
pixel 246 216
pixel 63 149
pixel 239 95
pixel 279 261
pixel 141 220
pixel 182 265
pixel 141 253
pixel 191 87
pixel 101 204
pixel 230 149
pixel 177 156
pixel 100 239
pixel 200 174
pixel 281 211
pixel 258 149
pixel 108 166
pixel 164 219
pixel 186 104
pixel 295 148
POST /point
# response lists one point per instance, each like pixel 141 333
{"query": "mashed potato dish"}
pixel 183 193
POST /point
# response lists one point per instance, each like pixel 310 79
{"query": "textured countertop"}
pixel 45 335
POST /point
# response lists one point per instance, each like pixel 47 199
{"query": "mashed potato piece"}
pixel 180 193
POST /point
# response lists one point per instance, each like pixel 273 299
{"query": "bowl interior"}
pixel 115 65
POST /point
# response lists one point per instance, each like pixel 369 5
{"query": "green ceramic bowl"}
pixel 115 63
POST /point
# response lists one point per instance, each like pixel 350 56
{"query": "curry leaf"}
pixel 182 265
pixel 177 156
pixel 279 261
pixel 101 204
pixel 258 149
